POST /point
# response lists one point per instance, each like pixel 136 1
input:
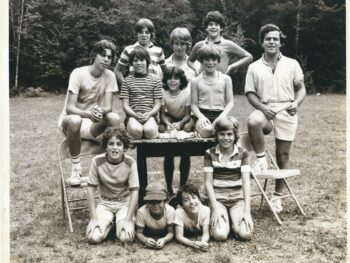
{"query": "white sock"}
pixel 76 162
pixel 261 156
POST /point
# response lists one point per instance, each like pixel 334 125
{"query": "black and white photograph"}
pixel 180 131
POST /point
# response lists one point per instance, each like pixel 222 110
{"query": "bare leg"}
pixel 185 165
pixel 168 172
pixel 71 127
pixel 111 119
pixel 282 157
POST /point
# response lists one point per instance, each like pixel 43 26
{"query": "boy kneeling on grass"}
pixel 227 183
pixel 191 218
pixel 155 219
pixel 116 175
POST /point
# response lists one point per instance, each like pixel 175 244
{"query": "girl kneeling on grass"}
pixel 227 183
pixel 175 114
pixel 191 219
pixel 154 220
pixel 116 176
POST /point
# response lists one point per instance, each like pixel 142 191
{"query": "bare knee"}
pixel 73 123
pixel 242 233
pixel 188 127
pixel 282 159
pixel 122 237
pixel 256 120
pixel 112 119
pixel 95 237
pixel 205 132
pixel 150 132
pixel 162 128
pixel 219 234
pixel 135 131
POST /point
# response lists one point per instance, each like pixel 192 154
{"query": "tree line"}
pixel 48 39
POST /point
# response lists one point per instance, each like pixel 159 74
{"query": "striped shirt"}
pixel 226 177
pixel 141 92
pixel 156 54
pixel 114 180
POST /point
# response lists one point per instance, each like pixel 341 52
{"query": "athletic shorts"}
pixel 84 129
pixel 211 114
pixel 112 211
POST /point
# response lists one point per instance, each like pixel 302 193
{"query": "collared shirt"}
pixel 274 86
pixel 226 176
pixel 190 74
pixel 156 54
pixel 228 50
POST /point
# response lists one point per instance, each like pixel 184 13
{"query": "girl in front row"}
pixel 227 183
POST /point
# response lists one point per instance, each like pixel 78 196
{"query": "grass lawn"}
pixel 39 234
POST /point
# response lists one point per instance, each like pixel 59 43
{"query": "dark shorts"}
pixel 211 114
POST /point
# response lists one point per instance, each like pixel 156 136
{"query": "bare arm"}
pixel 245 60
pixel 229 99
pixel 256 103
pixel 299 96
pixel 194 99
pixel 186 118
pixel 72 109
pixel 118 71
pixel 164 118
pixel 134 196
pixel 128 110
pixel 205 235
pixel 107 102
pixel 149 242
pixel 91 201
pixel 179 234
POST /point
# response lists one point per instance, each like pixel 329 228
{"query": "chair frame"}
pixel 245 142
pixel 87 148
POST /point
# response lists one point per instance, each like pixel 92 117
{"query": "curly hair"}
pixel 176 72
pixel 140 53
pixel 214 16
pixel 120 134
pixel 227 124
pixel 268 28
pixel 100 46
pixel 186 188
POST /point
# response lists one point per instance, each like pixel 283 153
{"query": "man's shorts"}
pixel 112 211
pixel 211 114
pixel 84 129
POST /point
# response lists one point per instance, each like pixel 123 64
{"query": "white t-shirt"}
pixel 175 106
pixel 182 219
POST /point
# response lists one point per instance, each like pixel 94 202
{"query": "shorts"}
pixel 84 129
pixel 285 126
pixel 211 114
pixel 229 197
pixel 126 120
pixel 112 210
pixel 238 203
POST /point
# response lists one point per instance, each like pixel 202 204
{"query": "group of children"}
pixel 189 93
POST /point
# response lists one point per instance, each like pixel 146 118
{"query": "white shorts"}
pixel 84 129
pixel 285 126
pixel 112 210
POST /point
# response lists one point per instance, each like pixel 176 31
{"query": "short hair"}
pixel 227 124
pixel 208 51
pixel 214 16
pixel 174 71
pixel 187 188
pixel 145 23
pixel 100 46
pixel 140 53
pixel 119 133
pixel 268 28
pixel 181 34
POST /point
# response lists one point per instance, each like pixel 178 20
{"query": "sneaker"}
pixel 74 179
pixel 260 165
pixel 276 204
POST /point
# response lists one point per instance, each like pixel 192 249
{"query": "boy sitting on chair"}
pixel 154 220
pixel 116 175
pixel 88 107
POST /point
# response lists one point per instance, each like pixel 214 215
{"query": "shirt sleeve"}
pixel 298 73
pixel 194 53
pixel 74 82
pixel 124 58
pixel 249 81
pixel 170 215
pixel 245 167
pixel 208 165
pixel 124 93
pixel 178 219
pixel 140 219
pixel 235 49
pixel 157 91
pixel 133 177
pixel 93 174
pixel 111 82
pixel 161 59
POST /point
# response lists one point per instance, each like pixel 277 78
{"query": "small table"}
pixel 161 147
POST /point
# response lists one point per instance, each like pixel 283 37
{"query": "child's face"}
pixel 213 29
pixel 209 64
pixel 144 37
pixel 173 83
pixel 156 208
pixel 115 150
pixel 226 139
pixel 140 65
pixel 190 203
pixel 179 48
pixel 103 61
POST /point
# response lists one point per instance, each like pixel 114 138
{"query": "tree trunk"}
pixel 297 28
pixel 19 33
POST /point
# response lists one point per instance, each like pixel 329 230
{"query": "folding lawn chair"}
pixel 271 174
pixel 88 148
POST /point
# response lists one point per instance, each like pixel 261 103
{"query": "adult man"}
pixel 88 107
pixel 275 88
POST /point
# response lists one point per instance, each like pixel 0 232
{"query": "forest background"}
pixel 48 39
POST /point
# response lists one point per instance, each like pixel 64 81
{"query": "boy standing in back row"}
pixel 88 107
pixel 214 24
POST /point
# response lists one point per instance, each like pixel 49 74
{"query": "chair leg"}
pixel 263 194
pixel 62 200
pixel 294 197
pixel 265 186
